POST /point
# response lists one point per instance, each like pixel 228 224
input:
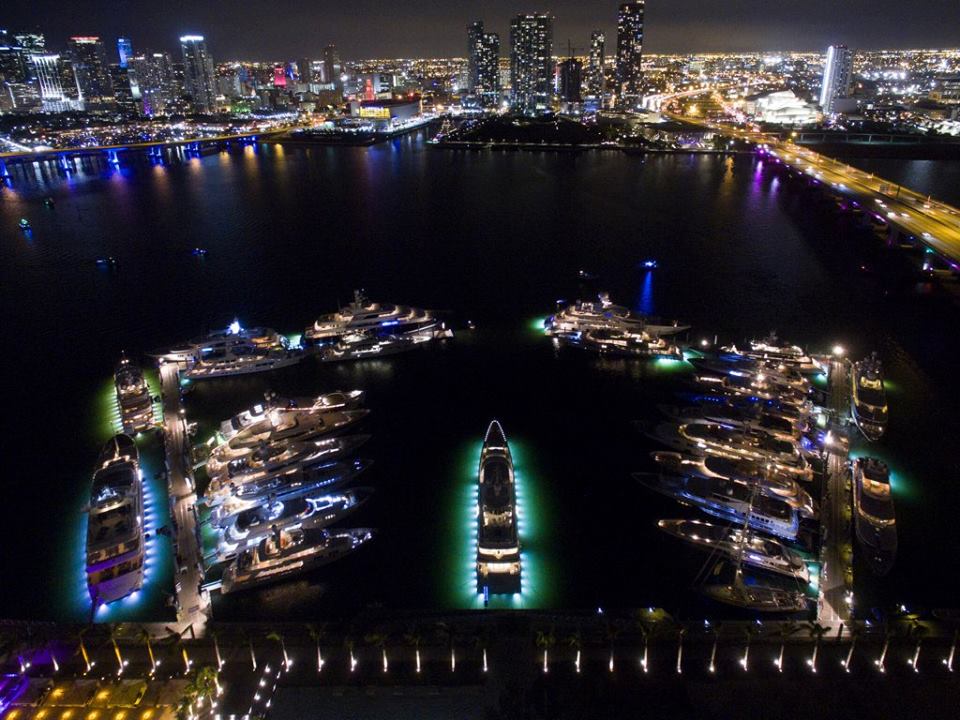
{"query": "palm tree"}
pixel 145 636
pixel 645 634
pixel 917 630
pixel 446 632
pixel 349 644
pixel 253 654
pixel 575 640
pixel 316 634
pixel 881 662
pixel 116 649
pixel 712 667
pixel 83 649
pixel 611 632
pixel 413 638
pixel 948 660
pixel 216 648
pixel 278 637
pixel 545 640
pixel 786 629
pixel 750 632
pixel 817 631
pixel 680 633
pixel 854 631
pixel 379 640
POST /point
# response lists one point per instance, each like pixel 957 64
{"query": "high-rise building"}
pixel 198 73
pixel 305 70
pixel 594 77
pixel 48 71
pixel 331 69
pixel 154 82
pixel 86 53
pixel 629 52
pixel 531 62
pixel 837 77
pixel 571 80
pixel 483 64
pixel 126 93
pixel 124 51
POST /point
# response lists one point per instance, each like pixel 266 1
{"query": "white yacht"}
pixel 115 543
pixel 133 397
pixel 868 403
pixel 772 350
pixel 498 538
pixel 365 345
pixel 328 402
pixel 875 520
pixel 361 315
pixel 602 314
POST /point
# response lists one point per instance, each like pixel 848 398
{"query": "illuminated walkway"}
pixel 192 605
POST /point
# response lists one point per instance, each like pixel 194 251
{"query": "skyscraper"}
pixel 531 62
pixel 126 93
pixel 483 64
pixel 571 79
pixel 124 51
pixel 629 52
pixel 86 53
pixel 837 76
pixel 48 70
pixel 198 73
pixel 331 69
pixel 595 80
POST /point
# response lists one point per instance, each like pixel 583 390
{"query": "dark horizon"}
pixel 425 29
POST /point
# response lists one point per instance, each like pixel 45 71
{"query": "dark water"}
pixel 495 238
pixel 941 179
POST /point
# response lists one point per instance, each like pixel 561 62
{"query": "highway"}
pixel 934 224
pixel 193 605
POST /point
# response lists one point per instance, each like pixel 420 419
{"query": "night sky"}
pixel 287 29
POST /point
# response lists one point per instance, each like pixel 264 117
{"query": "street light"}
pixel 838 351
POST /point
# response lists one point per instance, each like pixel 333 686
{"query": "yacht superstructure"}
pixel 498 537
pixel 327 402
pixel 362 316
pixel 115 543
pixel 133 397
pixel 874 517
pixel 869 398
pixel 602 314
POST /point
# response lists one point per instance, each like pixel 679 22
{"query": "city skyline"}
pixel 428 31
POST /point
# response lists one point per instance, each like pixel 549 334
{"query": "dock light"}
pixel 704 343
pixel 838 351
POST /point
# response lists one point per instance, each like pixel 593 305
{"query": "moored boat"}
pixel 874 517
pixel 498 537
pixel 869 398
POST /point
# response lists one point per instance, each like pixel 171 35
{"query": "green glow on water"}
pixel 295 340
pixel 537 579
pixel 536 324
pixel 901 485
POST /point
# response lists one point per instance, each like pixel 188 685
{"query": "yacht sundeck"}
pixel 755 550
pixel 869 399
pixel 727 500
pixel 287 553
pixel 364 316
pixel 874 517
pixel 337 400
pixel 745 416
pixel 602 314
pixel 771 349
pixel 133 397
pixel 115 544
pixel 614 342
pixel 498 538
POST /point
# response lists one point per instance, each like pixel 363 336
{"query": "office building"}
pixel 48 71
pixel 86 54
pixel 198 78
pixel 124 51
pixel 629 53
pixel 531 62
pixel 837 77
pixel 570 81
pixel 330 69
pixel 483 65
pixel 595 82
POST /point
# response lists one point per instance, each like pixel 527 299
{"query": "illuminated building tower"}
pixel 90 68
pixel 483 65
pixel 331 69
pixel 47 69
pixel 837 76
pixel 594 76
pixel 198 77
pixel 126 93
pixel 124 51
pixel 531 62
pixel 629 53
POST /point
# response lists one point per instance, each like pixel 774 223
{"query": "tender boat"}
pixel 115 542
pixel 287 553
pixel 24 224
pixel 133 397
pixel 328 402
pixel 602 314
pixel 756 550
pixel 371 317
pixel 869 399
pixel 727 500
pixel 874 517
pixel 498 538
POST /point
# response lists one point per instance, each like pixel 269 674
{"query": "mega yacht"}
pixel 287 553
pixel 115 543
pixel 614 342
pixel 745 416
pixel 869 399
pixel 280 428
pixel 768 481
pixel 771 349
pixel 337 400
pixel 747 386
pixel 874 517
pixel 710 438
pixel 365 345
pixel 759 373
pixel 498 537
pixel 727 500
pixel 133 397
pixel 602 314
pixel 755 550
pixel 361 315
pixel 308 512
pixel 233 351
